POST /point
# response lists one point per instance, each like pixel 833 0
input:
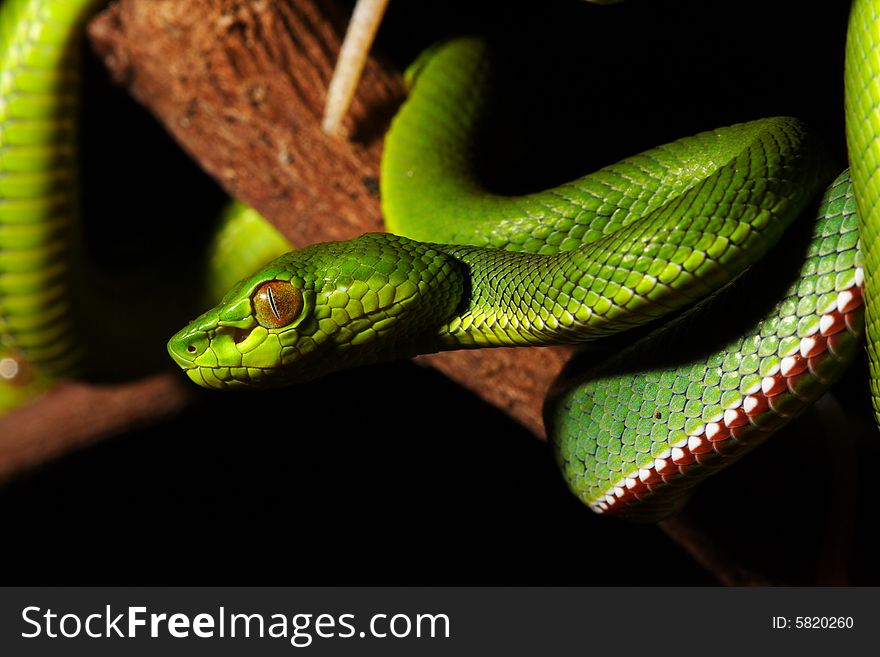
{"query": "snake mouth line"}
pixel 727 435
pixel 196 374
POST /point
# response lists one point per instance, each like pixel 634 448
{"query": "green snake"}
pixel 656 235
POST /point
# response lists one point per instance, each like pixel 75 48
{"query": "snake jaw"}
pixel 219 351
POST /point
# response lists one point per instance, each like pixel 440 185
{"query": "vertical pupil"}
pixel 276 303
pixel 272 304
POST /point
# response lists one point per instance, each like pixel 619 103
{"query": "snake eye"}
pixel 277 303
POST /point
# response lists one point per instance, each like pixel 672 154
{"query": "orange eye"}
pixel 277 303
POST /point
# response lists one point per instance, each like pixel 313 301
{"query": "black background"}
pixel 393 475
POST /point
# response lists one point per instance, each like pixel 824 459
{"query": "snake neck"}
pixel 521 299
pixel 665 261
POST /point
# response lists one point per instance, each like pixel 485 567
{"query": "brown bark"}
pixel 241 87
pixel 77 414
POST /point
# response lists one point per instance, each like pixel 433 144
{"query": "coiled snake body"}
pixel 636 241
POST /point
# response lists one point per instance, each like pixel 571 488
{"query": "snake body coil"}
pixel 39 91
pixel 657 234
pixel 647 422
pixel 621 247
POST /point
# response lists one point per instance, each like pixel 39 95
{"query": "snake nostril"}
pixel 191 348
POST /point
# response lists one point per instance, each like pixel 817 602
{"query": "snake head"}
pixel 326 307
